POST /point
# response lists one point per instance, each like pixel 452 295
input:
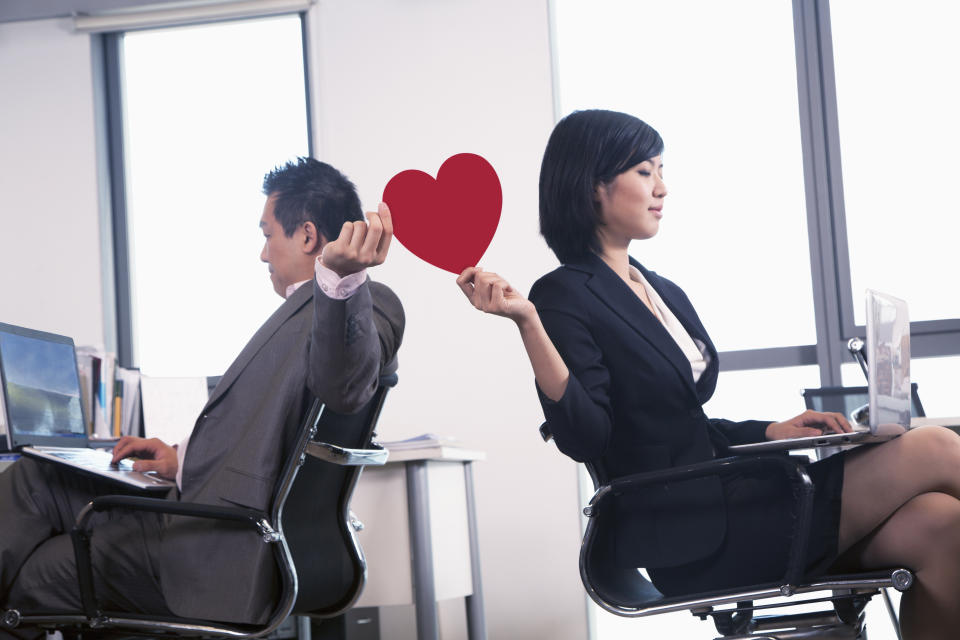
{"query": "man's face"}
pixel 290 257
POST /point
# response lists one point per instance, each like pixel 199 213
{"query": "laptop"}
pixel 889 393
pixel 41 412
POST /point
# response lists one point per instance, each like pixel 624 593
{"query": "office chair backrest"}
pixel 316 517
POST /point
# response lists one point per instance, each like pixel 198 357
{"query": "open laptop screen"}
pixel 888 360
pixel 41 388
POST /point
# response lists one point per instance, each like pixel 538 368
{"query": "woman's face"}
pixel 632 204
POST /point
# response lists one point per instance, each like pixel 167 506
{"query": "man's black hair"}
pixel 310 190
pixel 587 149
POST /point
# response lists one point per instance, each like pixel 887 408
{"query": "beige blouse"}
pixel 695 350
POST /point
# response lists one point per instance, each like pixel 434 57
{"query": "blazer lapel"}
pixel 293 304
pixel 618 296
pixel 688 318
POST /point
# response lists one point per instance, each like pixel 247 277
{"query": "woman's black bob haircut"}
pixel 586 149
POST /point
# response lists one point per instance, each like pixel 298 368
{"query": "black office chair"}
pixel 310 527
pixel 625 591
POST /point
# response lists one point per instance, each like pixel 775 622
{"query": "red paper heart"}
pixel 448 222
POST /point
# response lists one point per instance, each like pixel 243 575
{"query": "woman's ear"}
pixel 599 193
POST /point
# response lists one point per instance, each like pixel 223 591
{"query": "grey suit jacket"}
pixel 311 346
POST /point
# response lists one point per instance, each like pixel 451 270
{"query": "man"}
pixel 332 338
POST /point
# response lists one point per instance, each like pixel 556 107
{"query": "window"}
pixel 208 110
pixel 723 94
pixel 898 136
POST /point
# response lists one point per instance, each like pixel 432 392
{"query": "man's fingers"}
pixel 126 446
pixel 346 233
pixel 371 243
pixel 147 465
pixel 385 217
pixel 359 234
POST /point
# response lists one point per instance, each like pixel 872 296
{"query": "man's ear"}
pixel 313 240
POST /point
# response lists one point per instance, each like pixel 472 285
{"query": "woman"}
pixel 623 366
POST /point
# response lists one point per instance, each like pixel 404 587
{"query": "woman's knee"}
pixel 934 519
pixel 923 534
pixel 934 449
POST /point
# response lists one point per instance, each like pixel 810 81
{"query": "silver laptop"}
pixel 41 412
pixel 888 383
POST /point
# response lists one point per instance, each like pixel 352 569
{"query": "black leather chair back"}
pixel 316 516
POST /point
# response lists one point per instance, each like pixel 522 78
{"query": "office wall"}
pixel 403 85
pixel 396 84
pixel 50 275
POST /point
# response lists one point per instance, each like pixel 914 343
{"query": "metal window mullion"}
pixel 838 219
pixel 768 358
pixel 113 73
pixel 305 38
pixel 817 186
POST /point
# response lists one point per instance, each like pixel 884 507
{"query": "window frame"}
pixel 108 76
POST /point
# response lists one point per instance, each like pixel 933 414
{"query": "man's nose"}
pixel 263 254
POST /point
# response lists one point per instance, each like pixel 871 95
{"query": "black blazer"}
pixel 631 405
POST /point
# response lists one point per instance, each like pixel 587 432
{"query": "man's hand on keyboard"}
pixel 155 455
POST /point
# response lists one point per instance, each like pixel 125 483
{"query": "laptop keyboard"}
pixel 91 458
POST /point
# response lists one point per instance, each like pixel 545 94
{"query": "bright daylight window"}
pixel 897 100
pixel 208 110
pixel 723 94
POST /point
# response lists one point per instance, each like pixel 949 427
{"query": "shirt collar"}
pixel 293 287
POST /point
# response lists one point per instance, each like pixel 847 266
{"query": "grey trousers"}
pixel 39 503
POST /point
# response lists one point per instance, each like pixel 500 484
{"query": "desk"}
pixel 420 535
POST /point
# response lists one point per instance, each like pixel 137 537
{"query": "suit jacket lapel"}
pixel 293 304
pixel 618 296
pixel 688 318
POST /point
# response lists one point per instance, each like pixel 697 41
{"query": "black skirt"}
pixel 761 523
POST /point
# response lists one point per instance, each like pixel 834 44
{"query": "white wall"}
pixel 50 277
pixel 404 85
pixel 398 84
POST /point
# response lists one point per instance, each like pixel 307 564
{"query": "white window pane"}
pixel 898 101
pixel 209 110
pixel 718 81
pixel 762 394
pixel 936 380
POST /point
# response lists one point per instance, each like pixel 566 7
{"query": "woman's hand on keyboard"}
pixel 808 423
pixel 154 455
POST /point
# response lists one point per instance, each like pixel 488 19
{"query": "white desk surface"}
pixel 952 423
pixel 440 452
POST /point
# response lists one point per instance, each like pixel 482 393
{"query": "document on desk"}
pixel 171 406
pixel 423 441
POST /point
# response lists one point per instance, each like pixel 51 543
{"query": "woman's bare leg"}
pixel 924 535
pixel 901 506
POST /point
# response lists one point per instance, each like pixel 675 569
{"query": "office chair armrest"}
pixel 347 457
pixel 725 466
pixel 80 534
pixel 255 519
pixel 720 466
